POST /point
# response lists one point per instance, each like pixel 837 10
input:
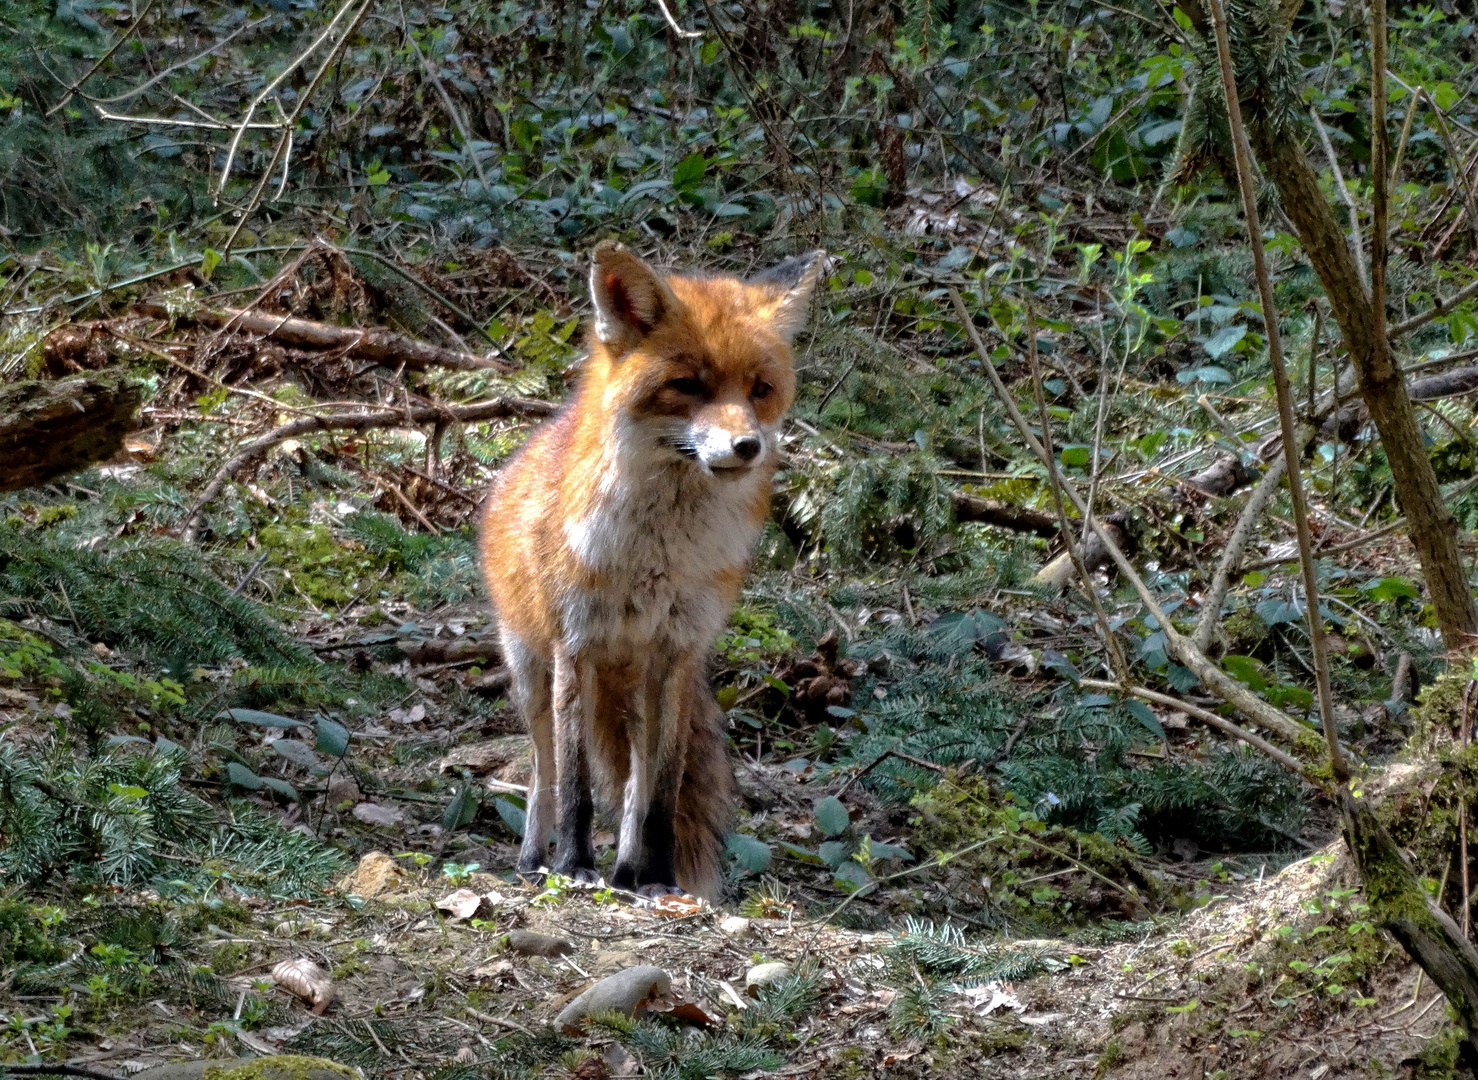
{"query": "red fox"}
pixel 614 544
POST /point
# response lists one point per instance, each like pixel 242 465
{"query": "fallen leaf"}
pixel 377 815
pixel 306 980
pixel 459 905
pixel 673 906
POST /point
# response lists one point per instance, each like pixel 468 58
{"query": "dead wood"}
pixel 1345 423
pixel 365 421
pixel 1003 515
pixel 450 651
pixel 48 429
pixel 374 344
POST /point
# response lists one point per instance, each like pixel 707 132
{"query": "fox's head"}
pixel 698 368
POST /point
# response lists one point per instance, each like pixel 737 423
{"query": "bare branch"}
pixel 1274 339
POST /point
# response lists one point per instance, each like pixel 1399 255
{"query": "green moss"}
pixel 1439 705
pixel 23 939
pixel 281 1067
pixel 328 571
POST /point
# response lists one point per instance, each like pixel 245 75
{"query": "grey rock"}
pixel 528 943
pixel 764 974
pixel 623 992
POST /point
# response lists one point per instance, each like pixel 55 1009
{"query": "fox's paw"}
pixel 531 876
pixel 580 875
pixel 655 891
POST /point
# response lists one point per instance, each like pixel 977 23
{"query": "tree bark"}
pixel 48 429
pixel 1434 531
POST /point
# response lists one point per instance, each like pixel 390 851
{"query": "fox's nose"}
pixel 747 447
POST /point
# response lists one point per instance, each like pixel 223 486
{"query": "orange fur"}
pixel 615 542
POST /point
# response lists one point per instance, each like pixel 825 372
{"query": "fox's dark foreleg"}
pixel 647 861
pixel 574 854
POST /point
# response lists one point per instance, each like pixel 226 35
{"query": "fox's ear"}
pixel 630 297
pixel 790 284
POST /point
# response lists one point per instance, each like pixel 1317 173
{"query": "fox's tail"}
pixel 705 801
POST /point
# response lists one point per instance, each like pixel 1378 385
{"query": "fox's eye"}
pixel 761 390
pixel 690 386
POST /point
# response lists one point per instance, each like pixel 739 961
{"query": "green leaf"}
pixel 835 852
pixel 243 777
pixel 890 851
pixel 1390 588
pixel 1141 712
pixel 1221 342
pixel 1076 455
pixel 259 718
pixel 513 815
pixel 689 172
pixel 298 753
pixel 750 854
pixel 851 876
pixel 333 738
pixel 832 816
pixel 282 787
pixel 377 175
pixel 805 855
pixel 209 262
pixel 462 809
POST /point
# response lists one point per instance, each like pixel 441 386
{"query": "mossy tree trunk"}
pixel 1268 111
pixel 1405 909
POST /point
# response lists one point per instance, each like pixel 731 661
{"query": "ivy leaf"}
pixel 1222 342
pixel 890 851
pixel 832 816
pixel 299 753
pixel 850 876
pixel 282 787
pixel 805 855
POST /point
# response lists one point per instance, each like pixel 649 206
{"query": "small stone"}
pixel 762 975
pixel 625 992
pixel 735 926
pixel 377 873
pixel 271 1067
pixel 528 943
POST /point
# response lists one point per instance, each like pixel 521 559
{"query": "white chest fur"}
pixel 659 535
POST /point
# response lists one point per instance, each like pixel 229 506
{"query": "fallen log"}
pixel 374 344
pixel 49 429
pixel 365 421
pixel 1003 515
pixel 1345 423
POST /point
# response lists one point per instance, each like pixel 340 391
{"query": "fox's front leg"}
pixel 529 674
pixel 647 858
pixel 574 687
